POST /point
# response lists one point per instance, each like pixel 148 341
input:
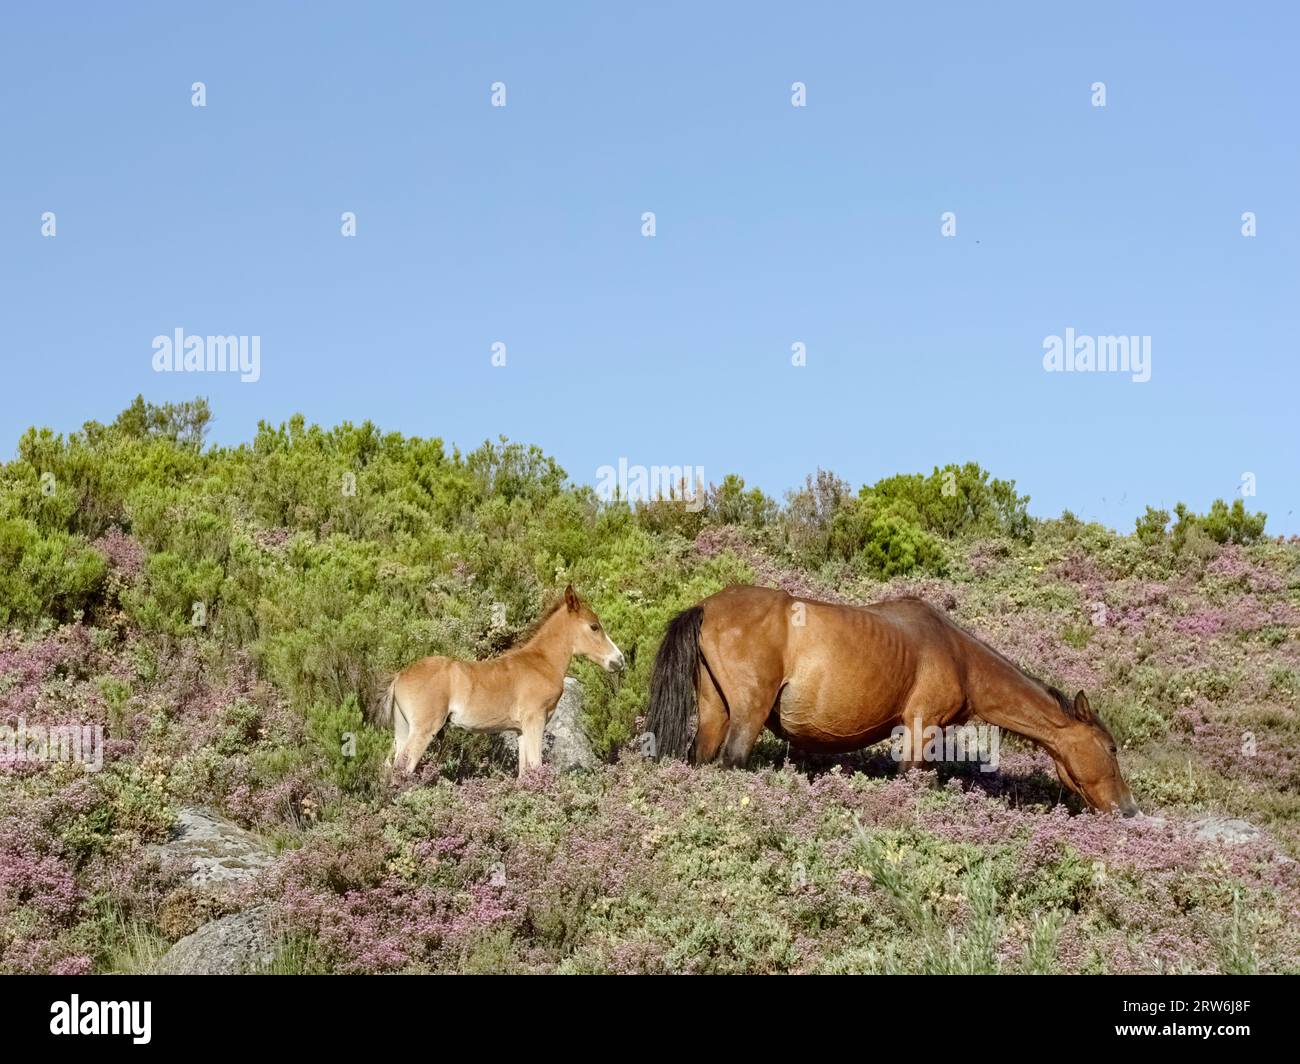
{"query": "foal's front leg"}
pixel 530 740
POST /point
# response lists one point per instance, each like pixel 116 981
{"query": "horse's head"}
pixel 1087 761
pixel 589 638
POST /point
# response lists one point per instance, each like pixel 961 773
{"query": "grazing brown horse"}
pixel 834 678
pixel 515 692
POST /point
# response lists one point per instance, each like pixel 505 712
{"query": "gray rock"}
pixel 1228 830
pixel 220 854
pixel 233 945
pixel 564 744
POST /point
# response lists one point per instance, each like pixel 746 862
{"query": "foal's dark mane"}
pixel 524 637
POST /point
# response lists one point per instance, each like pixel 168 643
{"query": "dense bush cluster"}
pixel 228 614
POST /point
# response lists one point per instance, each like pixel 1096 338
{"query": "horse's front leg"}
pixel 928 711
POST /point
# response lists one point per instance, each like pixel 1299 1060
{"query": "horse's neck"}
pixel 1003 695
pixel 549 645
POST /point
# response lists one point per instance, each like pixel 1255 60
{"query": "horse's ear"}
pixel 571 599
pixel 1082 709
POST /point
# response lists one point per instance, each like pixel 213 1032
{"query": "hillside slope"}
pixel 226 614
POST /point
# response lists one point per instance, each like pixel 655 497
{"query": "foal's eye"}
pixel 595 628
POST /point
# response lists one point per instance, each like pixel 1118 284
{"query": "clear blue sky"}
pixel 775 225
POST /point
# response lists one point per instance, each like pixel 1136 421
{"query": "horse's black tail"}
pixel 674 713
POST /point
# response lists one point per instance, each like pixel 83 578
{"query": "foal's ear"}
pixel 1082 709
pixel 571 599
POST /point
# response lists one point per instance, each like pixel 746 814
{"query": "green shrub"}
pixel 894 547
pixel 895 525
pixel 53 576
pixel 353 751
pixel 886 543
pixel 1222 524
pixel 956 501
pixel 731 504
pixel 176 596
pixel 1151 526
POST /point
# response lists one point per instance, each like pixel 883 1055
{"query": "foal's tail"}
pixel 674 712
pixel 384 710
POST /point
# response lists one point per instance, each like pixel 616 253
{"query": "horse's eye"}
pixel 595 628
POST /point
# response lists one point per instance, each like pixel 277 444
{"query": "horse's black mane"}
pixel 1063 700
pixel 1061 697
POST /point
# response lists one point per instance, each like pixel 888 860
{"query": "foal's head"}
pixel 589 638
pixel 1088 763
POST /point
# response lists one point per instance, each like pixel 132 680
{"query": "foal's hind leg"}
pixel 401 732
pixel 422 730
pixel 419 741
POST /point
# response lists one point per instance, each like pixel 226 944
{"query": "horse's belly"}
pixel 821 710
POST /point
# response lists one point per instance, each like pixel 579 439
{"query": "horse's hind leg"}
pixel 745 726
pixel 420 738
pixel 746 699
pixel 712 728
pixel 744 663
pixel 750 705
pixel 418 743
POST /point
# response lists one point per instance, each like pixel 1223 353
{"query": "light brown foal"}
pixel 834 678
pixel 516 692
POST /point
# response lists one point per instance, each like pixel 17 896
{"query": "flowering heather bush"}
pixel 125 556
pixel 1186 642
pixel 665 868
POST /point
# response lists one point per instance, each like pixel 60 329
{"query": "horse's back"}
pixel 915 617
pixel 769 616
pixel 746 601
pixel 841 675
